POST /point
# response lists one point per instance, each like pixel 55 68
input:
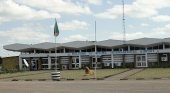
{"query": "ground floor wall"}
pixel 100 61
pixel 10 63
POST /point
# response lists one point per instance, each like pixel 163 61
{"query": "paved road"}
pixel 115 86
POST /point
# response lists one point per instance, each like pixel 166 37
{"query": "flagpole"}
pixel 55 54
pixel 55 75
pixel 95 53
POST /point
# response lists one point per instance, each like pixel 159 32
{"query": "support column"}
pixel 158 60
pixel 64 50
pixel 146 56
pixel 134 60
pixel 39 63
pixel 20 63
pixel 128 48
pixel 112 60
pixel 49 62
pixel 79 61
pixel 30 63
pixel 34 51
pixel 123 55
pixel 163 46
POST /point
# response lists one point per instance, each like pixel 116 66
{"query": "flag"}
pixel 56 30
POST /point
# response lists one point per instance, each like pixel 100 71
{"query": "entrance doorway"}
pixel 75 63
pixel 141 61
pixel 95 62
pixel 34 64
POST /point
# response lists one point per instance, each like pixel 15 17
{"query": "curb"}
pixel 70 79
pixel 100 78
pixel 124 79
pixel 140 78
pixel 28 80
pixel 156 78
pixel 85 79
pixel 41 79
pixel 14 80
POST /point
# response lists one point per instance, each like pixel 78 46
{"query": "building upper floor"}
pixel 90 46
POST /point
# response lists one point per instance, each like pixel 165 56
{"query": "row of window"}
pixel 100 49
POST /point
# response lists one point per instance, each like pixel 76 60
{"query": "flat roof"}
pixel 82 44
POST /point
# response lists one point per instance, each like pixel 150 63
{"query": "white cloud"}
pixel 109 2
pixel 161 18
pixel 77 37
pixel 73 25
pixel 10 10
pixel 25 34
pixel 144 25
pixel 129 36
pixel 159 32
pixel 5 53
pixel 165 30
pixel 95 2
pixel 61 6
pixel 138 9
pixel 110 13
pixel 131 26
pixel 137 26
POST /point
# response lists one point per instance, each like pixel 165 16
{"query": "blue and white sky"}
pixel 32 21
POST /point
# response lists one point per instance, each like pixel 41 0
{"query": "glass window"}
pixel 73 66
pixel 73 61
pixel 143 58
pixel 77 60
pixel 139 64
pixel 93 59
pixel 98 59
pixel 77 66
pixel 138 58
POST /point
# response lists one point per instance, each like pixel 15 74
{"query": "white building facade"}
pixel 143 52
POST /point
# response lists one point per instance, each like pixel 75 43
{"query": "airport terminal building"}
pixel 143 52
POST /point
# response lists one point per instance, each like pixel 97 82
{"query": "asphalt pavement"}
pixel 89 86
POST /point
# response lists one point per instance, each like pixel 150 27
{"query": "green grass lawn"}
pixel 78 74
pixel 72 74
pixel 19 74
pixel 153 73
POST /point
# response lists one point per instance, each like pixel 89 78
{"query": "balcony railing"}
pixel 93 53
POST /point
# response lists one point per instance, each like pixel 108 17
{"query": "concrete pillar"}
pixel 163 46
pixel 123 56
pixel 49 62
pixel 39 63
pixel 158 60
pixel 146 56
pixel 64 50
pixel 79 61
pixel 112 58
pixel 134 60
pixel 128 47
pixel 20 63
pixel 29 62
pixel 34 51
